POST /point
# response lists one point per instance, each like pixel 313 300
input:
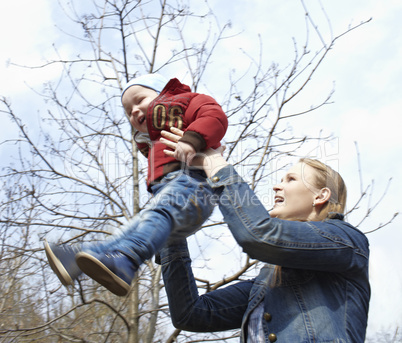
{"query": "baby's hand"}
pixel 180 151
pixel 210 160
pixel 184 152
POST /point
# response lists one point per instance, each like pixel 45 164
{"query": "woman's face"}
pixel 295 195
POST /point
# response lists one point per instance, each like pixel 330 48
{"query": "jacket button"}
pixel 267 316
pixel 272 337
pixel 215 179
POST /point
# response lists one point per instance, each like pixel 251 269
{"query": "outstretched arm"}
pixel 330 245
pixel 219 310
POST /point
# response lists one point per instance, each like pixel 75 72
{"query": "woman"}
pixel 315 285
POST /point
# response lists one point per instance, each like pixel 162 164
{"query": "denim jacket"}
pixel 324 291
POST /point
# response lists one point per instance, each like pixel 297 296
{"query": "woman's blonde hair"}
pixel 327 177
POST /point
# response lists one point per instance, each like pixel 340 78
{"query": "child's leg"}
pixel 180 206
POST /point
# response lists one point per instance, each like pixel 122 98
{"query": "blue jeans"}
pixel 182 202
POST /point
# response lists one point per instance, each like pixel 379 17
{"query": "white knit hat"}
pixel 154 81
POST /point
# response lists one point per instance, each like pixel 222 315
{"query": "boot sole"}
pixel 97 271
pixel 57 266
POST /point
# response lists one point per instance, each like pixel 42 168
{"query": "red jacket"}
pixel 199 115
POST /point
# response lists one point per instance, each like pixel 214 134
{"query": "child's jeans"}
pixel 182 202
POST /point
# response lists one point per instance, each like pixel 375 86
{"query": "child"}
pixel 182 199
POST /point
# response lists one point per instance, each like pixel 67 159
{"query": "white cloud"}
pixel 27 36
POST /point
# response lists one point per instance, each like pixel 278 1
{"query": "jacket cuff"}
pixel 224 177
pixel 195 139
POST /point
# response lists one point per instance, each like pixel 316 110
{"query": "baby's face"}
pixel 136 100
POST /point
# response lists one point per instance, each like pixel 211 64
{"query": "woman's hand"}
pixel 210 160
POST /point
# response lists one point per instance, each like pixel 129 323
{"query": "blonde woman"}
pixel 314 286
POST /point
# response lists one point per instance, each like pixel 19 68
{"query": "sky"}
pixel 365 67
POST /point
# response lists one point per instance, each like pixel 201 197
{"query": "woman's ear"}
pixel 322 196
